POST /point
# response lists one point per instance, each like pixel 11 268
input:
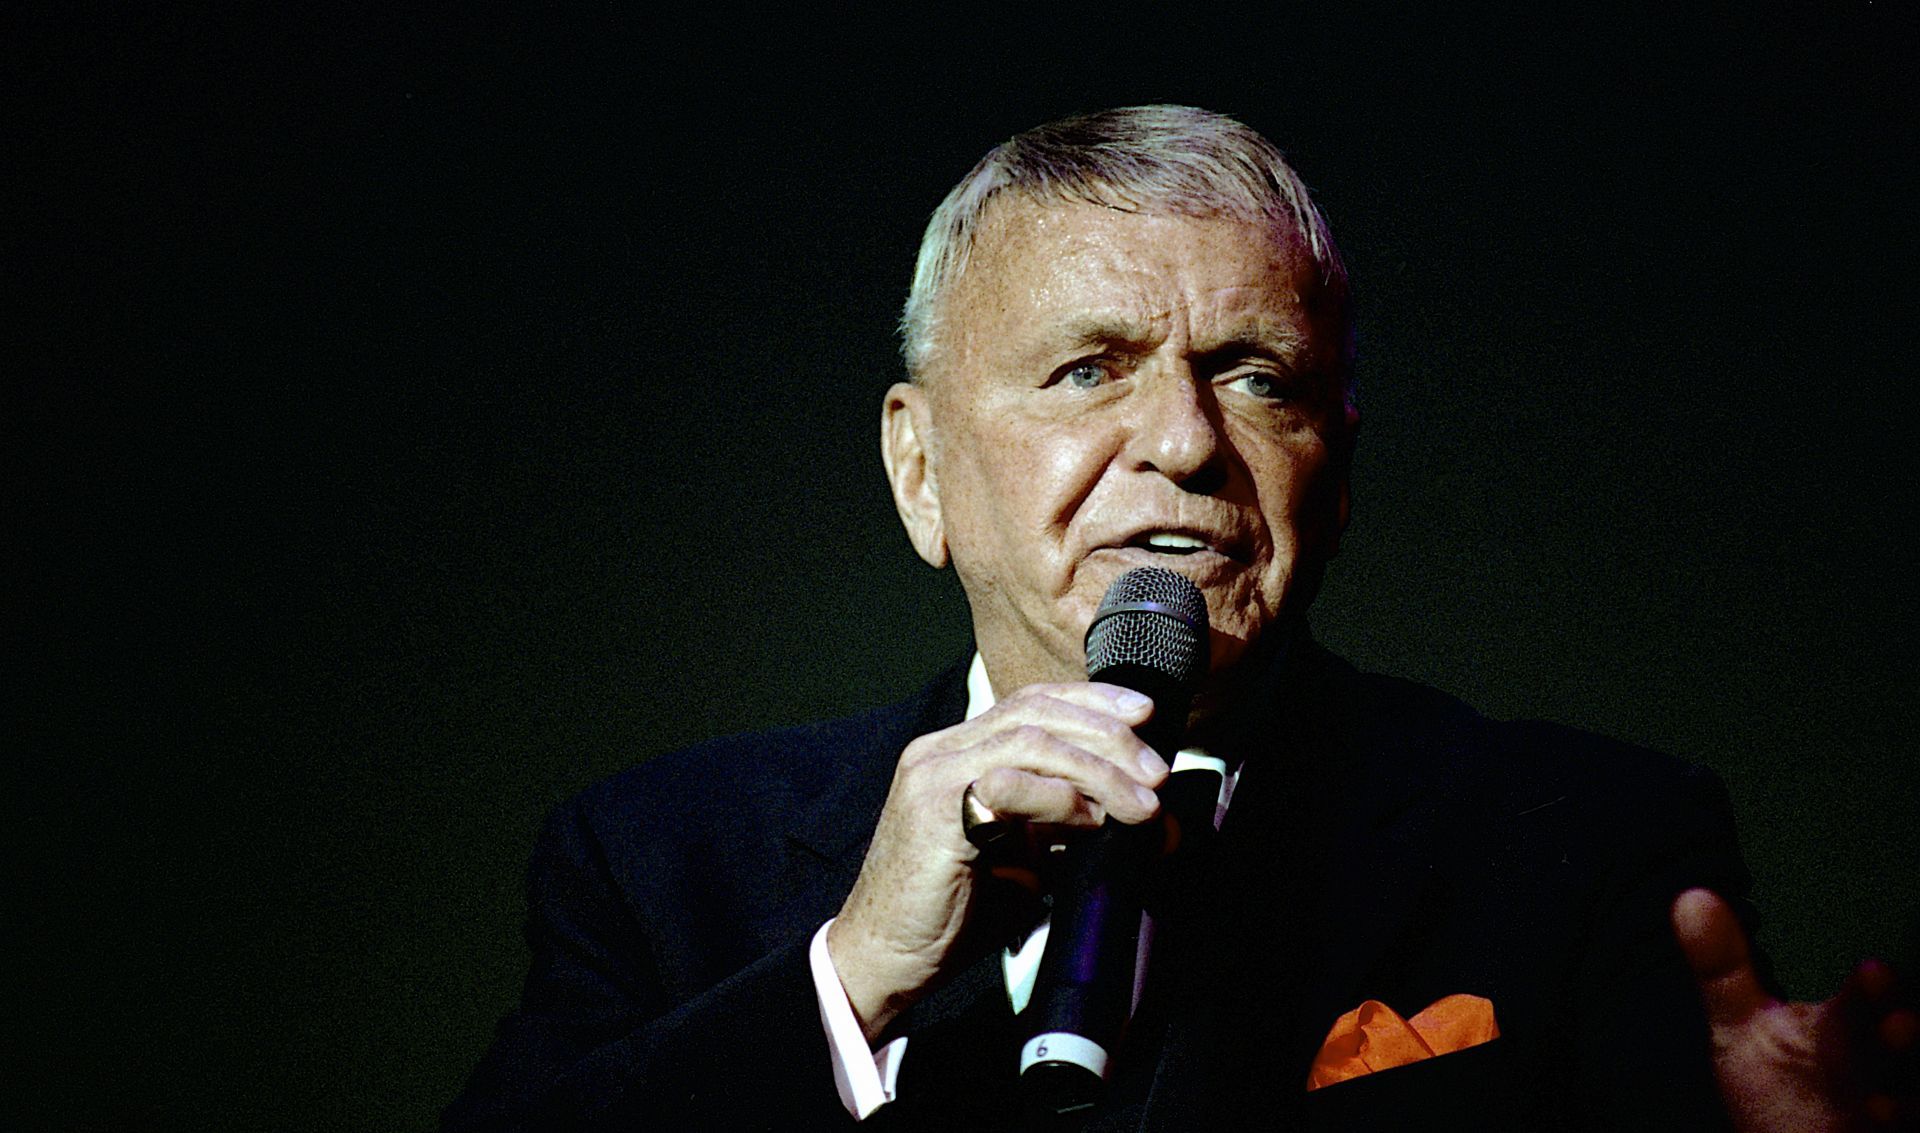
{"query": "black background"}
pixel 426 414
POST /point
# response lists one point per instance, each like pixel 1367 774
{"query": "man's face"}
pixel 1111 390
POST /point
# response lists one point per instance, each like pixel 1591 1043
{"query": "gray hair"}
pixel 1177 159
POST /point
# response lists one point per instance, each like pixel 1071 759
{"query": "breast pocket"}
pixel 1472 1089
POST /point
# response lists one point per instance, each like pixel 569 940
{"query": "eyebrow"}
pixel 1265 336
pixel 1106 331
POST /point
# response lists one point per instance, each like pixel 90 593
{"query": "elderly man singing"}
pixel 1129 344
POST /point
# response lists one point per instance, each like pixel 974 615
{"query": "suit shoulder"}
pixel 1523 757
pixel 1608 786
pixel 1576 755
pixel 768 772
pixel 796 760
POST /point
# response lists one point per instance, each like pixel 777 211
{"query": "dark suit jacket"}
pixel 1385 842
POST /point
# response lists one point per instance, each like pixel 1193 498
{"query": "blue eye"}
pixel 1085 376
pixel 1263 384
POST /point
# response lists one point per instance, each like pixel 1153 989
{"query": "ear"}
pixel 906 428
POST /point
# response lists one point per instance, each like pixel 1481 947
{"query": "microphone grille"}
pixel 1153 618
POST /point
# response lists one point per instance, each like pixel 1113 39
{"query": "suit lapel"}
pixel 827 835
pixel 963 1050
pixel 1324 859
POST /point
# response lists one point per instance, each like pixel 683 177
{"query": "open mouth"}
pixel 1169 543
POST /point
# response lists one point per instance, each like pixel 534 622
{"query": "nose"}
pixel 1177 433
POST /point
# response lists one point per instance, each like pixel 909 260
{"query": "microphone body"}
pixel 1149 635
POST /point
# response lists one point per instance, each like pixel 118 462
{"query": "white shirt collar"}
pixel 979 689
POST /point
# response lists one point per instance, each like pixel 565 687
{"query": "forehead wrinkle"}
pixel 1264 336
pixel 1258 334
pixel 1113 328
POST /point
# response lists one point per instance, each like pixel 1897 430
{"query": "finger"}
pixel 1112 782
pixel 1852 1017
pixel 1133 707
pixel 1088 730
pixel 1716 950
pixel 1103 714
pixel 1877 1028
pixel 1012 793
pixel 1898 1030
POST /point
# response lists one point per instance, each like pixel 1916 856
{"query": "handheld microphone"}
pixel 1149 635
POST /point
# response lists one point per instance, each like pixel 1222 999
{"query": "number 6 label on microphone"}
pixel 1064 1047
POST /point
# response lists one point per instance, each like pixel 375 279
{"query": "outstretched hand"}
pixel 1849 1064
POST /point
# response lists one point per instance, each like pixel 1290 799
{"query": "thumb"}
pixel 1716 950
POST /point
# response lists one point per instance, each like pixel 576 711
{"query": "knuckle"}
pixel 912 765
pixel 1119 782
pixel 1032 735
pixel 997 781
pixel 1026 695
pixel 1121 792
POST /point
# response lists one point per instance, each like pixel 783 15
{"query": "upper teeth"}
pixel 1175 542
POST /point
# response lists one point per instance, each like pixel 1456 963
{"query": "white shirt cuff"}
pixel 864 1077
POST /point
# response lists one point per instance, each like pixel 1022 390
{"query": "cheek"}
pixel 1071 463
pixel 1282 463
pixel 1013 491
pixel 1299 494
pixel 1045 476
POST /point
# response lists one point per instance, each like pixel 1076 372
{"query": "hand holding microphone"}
pixel 1047 754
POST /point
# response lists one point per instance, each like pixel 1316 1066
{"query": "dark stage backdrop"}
pixel 415 418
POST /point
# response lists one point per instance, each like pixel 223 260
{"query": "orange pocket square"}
pixel 1371 1037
